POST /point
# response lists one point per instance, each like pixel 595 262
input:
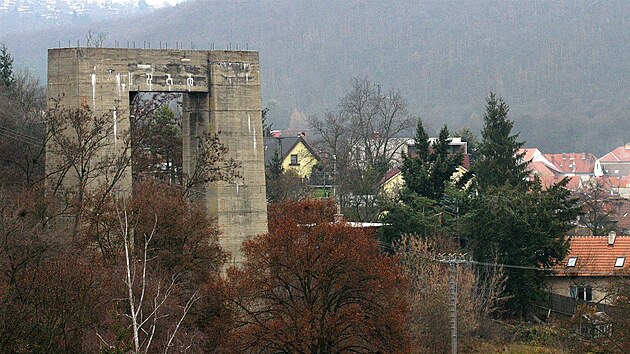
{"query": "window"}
pixel 584 293
pixel 619 262
pixel 294 160
pixel 571 262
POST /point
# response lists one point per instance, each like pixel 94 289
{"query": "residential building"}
pixel 294 153
pixel 406 146
pixel 617 162
pixel 574 164
pixel 392 182
pixel 592 264
pixel 552 168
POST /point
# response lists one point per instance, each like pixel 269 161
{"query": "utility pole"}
pixel 453 260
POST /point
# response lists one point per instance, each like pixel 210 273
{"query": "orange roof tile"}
pixel 549 180
pixel 389 175
pixel 610 182
pixel 620 154
pixel 574 183
pixel 529 153
pixel 540 168
pixel 573 162
pixel 594 257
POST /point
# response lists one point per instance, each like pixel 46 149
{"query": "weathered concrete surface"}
pixel 221 94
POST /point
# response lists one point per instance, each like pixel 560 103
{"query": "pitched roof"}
pixel 595 257
pixel 389 175
pixel 541 168
pixel 615 181
pixel 536 159
pixel 573 162
pixel 620 154
pixel 529 153
pixel 283 146
pixel 574 182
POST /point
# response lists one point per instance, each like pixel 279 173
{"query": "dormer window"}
pixel 620 261
pixel 571 262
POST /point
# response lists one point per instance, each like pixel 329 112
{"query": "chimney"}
pixel 611 238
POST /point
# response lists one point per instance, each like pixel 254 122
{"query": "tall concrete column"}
pixel 221 94
pixel 235 113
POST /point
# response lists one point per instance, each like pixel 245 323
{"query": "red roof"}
pixel 595 257
pixel 389 175
pixel 574 183
pixel 540 168
pixel 620 154
pixel 528 153
pixel 615 182
pixel 573 162
pixel 548 181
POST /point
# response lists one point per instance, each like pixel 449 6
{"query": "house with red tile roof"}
pixel 545 169
pixel 552 168
pixel 617 162
pixel 574 164
pixel 592 263
pixel 617 185
pixel 538 162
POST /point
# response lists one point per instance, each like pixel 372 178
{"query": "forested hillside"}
pixel 561 66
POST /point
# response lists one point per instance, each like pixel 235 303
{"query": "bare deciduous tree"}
pixel 22 132
pixel 95 39
pixel 360 135
pixel 147 297
pixel 598 207
pixel 85 160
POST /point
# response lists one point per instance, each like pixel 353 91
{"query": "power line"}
pixel 470 261
pixel 14 134
pixel 509 266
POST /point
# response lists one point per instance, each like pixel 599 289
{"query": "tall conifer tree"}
pixel 415 167
pixel 513 221
pixel 426 171
pixel 499 162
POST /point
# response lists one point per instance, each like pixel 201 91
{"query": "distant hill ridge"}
pixel 561 66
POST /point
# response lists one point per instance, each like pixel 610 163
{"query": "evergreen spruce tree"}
pixel 499 162
pixel 512 221
pixel 6 67
pixel 429 168
pixel 522 228
pixel 426 172
pixel 273 177
pixel 444 163
pixel 415 167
